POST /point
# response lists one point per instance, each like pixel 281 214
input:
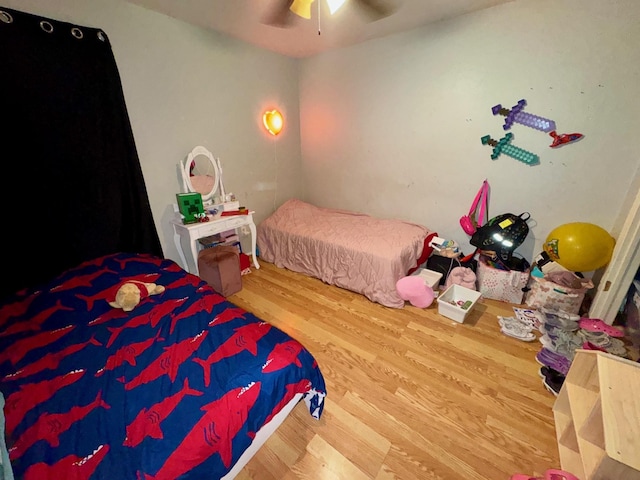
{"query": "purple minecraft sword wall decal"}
pixel 517 115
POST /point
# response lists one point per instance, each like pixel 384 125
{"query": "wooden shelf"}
pixel 597 416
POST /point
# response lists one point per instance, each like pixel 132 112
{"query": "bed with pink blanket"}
pixel 351 250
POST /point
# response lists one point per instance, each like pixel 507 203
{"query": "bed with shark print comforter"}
pixel 175 389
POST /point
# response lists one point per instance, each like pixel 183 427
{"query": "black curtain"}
pixel 72 186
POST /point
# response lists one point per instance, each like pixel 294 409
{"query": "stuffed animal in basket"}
pixel 130 293
pixel 463 276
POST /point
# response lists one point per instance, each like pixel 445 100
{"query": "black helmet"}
pixel 502 234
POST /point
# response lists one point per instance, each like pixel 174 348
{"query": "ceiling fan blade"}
pixel 375 9
pixel 280 15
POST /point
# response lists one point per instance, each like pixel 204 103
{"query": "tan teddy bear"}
pixel 130 293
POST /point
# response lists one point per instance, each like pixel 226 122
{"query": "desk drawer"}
pixel 217 226
pixel 234 222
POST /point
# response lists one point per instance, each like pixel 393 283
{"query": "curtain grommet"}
pixel 5 17
pixel 76 32
pixel 101 36
pixel 46 26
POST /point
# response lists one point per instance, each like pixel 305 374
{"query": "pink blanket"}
pixel 351 250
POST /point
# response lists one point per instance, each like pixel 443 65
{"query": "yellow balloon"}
pixel 580 247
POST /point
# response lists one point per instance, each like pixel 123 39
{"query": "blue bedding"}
pixel 175 389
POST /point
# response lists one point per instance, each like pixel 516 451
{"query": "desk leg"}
pixel 176 239
pixel 254 240
pixel 194 254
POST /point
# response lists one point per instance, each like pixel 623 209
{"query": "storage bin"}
pixel 503 285
pixel 545 293
pixel 451 302
pixel 430 277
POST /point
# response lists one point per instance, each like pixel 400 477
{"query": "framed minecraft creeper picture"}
pixel 190 206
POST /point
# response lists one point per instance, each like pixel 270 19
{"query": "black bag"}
pixel 502 234
pixel 444 265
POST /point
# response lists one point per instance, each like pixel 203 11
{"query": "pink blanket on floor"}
pixel 351 250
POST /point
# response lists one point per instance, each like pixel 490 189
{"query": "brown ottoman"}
pixel 220 268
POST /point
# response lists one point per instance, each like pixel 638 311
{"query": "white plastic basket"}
pixel 457 301
pixel 430 277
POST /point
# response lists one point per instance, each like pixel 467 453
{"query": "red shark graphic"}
pixel 20 348
pixel 36 322
pixel 152 317
pixel 32 394
pixel 291 390
pixel 168 362
pixel 186 280
pixel 213 433
pixel 111 291
pixel 96 262
pixel 147 422
pixel 208 289
pixel 50 361
pixel 204 304
pixel 80 281
pixel 139 259
pixel 245 338
pixel 70 467
pixel 128 354
pixel 283 355
pixel 48 427
pixel 227 315
pixel 113 314
pixel 18 308
pixel 174 267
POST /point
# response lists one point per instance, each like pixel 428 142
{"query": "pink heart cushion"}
pixel 414 289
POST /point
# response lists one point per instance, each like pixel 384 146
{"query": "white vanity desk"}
pixel 194 231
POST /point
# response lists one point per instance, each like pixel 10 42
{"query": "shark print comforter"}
pixel 175 389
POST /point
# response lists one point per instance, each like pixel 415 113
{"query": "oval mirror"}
pixel 201 174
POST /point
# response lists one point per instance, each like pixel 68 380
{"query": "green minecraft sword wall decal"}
pixel 504 146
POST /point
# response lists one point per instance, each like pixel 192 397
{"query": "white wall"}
pixel 187 86
pixel 392 127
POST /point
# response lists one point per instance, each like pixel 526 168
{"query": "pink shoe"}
pixel 551 474
pixel 597 325
pixel 554 474
pixel 591 346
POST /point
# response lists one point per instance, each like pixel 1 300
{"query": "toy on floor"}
pixel 504 146
pixel 579 246
pixel 415 290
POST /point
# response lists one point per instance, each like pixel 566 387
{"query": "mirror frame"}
pixel 185 169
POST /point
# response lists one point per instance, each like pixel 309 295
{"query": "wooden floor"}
pixel 410 394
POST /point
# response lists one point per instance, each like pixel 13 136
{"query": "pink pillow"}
pixel 414 289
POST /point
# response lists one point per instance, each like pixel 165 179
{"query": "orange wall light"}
pixel 273 121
